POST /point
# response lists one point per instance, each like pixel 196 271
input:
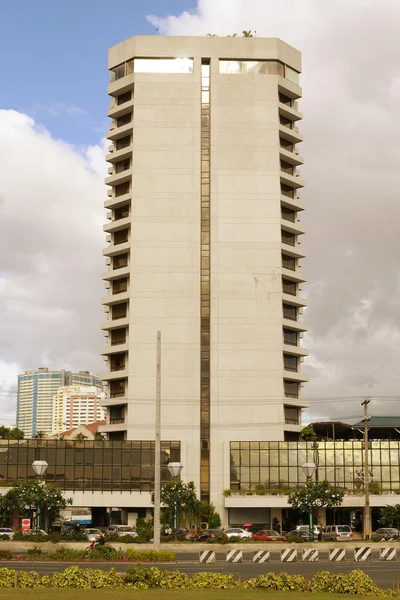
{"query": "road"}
pixel 383 573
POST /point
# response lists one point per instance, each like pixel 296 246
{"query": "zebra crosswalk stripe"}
pixel 261 556
pixel 362 554
pixel 337 554
pixel 207 556
pixel 234 556
pixel 289 555
pixel 388 554
pixel 310 555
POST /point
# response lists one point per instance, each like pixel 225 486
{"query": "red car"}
pixel 267 535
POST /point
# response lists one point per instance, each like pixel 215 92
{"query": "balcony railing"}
pixel 117 421
pixel 117 394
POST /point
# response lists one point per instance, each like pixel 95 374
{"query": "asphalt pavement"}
pixel 383 573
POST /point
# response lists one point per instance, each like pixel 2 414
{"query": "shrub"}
pixel 105 553
pixel 63 553
pixel 355 582
pixel 72 577
pixel 5 537
pixel 5 555
pixel 138 577
pixel 7 578
pixel 69 537
pixel 296 539
pixel 28 580
pixel 276 582
pixel 213 581
pixel 97 578
pixel 150 556
pixel 35 551
pixel 161 578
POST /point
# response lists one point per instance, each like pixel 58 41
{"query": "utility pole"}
pixel 157 451
pixel 367 510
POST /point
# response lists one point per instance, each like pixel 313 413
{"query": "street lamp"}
pixel 309 470
pixel 175 469
pixel 40 468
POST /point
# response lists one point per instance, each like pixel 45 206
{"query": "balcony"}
pixel 115 298
pixel 296 377
pixel 114 349
pixel 294 276
pixel 287 87
pixel 294 300
pixel 117 155
pixel 119 132
pixel 289 112
pixel 117 201
pixel 291 180
pixel 292 203
pixel 290 157
pixel 115 324
pixel 292 250
pixel 292 135
pixel 115 249
pixel 117 178
pixel 119 110
pixel 292 226
pixel 114 375
pixel 125 84
pixel 297 350
pixel 296 325
pixel 115 273
pixel 117 225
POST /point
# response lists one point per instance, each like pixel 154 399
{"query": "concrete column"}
pixel 322 516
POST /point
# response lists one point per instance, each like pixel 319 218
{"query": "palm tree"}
pixel 40 435
pixel 98 437
pixel 247 33
pixel 80 437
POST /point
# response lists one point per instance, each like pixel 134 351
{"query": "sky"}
pixel 53 102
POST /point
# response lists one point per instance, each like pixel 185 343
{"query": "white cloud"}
pixel 350 81
pixel 58 110
pixel 51 216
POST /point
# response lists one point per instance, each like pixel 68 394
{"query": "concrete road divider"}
pixel 289 555
pixel 388 554
pixel 262 556
pixel 337 554
pixel 309 555
pixel 234 556
pixel 362 554
pixel 207 556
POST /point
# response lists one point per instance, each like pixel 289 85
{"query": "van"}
pixel 337 533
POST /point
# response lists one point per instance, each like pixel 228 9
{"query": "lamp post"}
pixel 308 470
pixel 40 468
pixel 175 469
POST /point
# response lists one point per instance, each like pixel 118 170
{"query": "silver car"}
pixel 337 533
pixel 237 532
pixel 121 530
pixel 93 535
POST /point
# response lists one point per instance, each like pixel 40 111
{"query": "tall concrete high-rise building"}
pixel 204 245
pixel 75 405
pixel 36 389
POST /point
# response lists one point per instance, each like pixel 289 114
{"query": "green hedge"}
pixel 138 577
pixel 150 556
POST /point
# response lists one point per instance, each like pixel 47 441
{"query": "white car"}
pixel 237 532
pixel 93 535
pixel 7 531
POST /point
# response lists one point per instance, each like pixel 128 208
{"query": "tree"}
pixel 210 516
pixel 98 437
pixel 313 496
pixel 8 433
pixel 247 33
pixel 80 437
pixel 390 516
pixel 308 434
pixel 26 494
pixel 40 435
pixel 180 502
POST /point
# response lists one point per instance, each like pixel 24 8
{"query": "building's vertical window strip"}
pixel 205 285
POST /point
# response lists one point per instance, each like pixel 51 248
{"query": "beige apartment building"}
pixel 204 244
pixel 76 405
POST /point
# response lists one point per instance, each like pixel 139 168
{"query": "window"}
pixel 122 166
pixel 286 167
pixel 121 213
pixel 288 238
pixel 124 120
pixel 252 67
pixel 120 261
pixel 290 312
pixel 117 388
pixel 120 285
pixel 292 75
pixel 288 262
pixel 285 122
pixel 123 142
pixel 290 337
pixel 287 191
pixel 290 363
pixel 118 336
pixel 163 65
pixel 121 189
pixel 283 99
pixel 289 287
pixel 117 414
pixel 291 388
pixel 288 214
pixel 119 311
pixel 117 72
pixel 286 144
pixel 122 98
pixel 117 362
pixel 121 237
pixel 291 415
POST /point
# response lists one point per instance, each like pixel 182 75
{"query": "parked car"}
pixel 7 531
pixel 386 533
pixel 238 532
pixel 210 533
pixel 93 535
pixel 337 533
pixel 69 528
pixel 35 532
pixel 316 528
pixel 299 534
pixel 268 535
pixel 121 530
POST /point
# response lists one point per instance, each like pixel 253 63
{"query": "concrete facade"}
pixel 204 218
